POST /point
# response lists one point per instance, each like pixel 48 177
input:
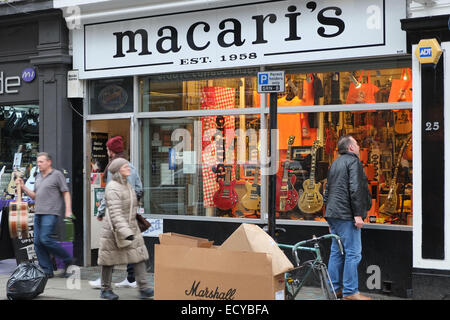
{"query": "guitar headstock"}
pixel 291 140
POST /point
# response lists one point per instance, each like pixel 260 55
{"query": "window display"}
pixel 19 145
pixel 210 165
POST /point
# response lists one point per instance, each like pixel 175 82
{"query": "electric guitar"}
pixel 252 199
pixel 226 197
pixel 16 166
pixel 287 196
pixel 311 200
pixel 390 204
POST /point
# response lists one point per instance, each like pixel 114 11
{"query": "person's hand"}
pixel 19 181
pixel 69 215
pixel 359 222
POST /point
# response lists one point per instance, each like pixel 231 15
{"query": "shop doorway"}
pixel 97 134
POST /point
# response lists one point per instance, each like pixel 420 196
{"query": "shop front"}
pixel 180 86
pixel 34 112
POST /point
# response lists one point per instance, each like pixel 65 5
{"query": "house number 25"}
pixel 432 126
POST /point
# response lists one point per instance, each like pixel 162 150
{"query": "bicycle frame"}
pixel 317 262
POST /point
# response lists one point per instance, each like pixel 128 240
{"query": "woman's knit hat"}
pixel 116 164
pixel 115 144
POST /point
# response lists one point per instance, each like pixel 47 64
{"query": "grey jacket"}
pixel 133 180
pixel 347 191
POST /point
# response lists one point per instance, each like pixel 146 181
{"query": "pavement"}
pixel 78 288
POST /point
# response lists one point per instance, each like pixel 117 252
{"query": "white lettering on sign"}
pixel 8 83
pixel 279 31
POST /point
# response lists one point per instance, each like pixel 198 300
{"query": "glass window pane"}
pixel 197 91
pixel 309 140
pixel 201 166
pixel 19 144
pixel 111 96
pixel 362 86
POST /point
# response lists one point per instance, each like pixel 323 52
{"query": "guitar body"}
pixel 251 200
pixel 287 196
pixel 403 124
pixel 311 200
pixel 390 204
pixel 226 197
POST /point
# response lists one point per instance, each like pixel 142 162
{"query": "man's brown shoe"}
pixel 339 294
pixel 356 296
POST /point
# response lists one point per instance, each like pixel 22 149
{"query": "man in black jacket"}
pixel 347 199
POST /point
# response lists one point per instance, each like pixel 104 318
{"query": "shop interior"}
pixel 19 145
pixel 216 172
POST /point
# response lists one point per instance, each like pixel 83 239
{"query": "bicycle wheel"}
pixel 327 286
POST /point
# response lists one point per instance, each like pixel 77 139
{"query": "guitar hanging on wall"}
pixel 287 196
pixel 389 206
pixel 226 197
pixel 252 199
pixel 311 200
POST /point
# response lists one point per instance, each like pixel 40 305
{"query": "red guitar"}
pixel 287 196
pixel 226 197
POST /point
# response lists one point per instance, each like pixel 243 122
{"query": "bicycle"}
pixel 296 278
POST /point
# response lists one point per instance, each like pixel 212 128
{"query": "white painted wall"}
pixel 418 262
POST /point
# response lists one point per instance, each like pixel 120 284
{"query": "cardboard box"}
pixel 185 271
pixel 251 238
pixel 171 238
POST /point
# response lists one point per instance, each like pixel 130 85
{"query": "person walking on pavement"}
pixel 115 149
pixel 51 195
pixel 347 199
pixel 121 205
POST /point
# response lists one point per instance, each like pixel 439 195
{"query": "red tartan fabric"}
pixel 215 98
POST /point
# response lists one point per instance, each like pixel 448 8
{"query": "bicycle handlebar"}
pixel 315 240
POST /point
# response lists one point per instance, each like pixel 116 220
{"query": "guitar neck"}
pixel 313 169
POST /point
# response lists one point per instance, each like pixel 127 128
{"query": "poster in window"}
pixel 99 154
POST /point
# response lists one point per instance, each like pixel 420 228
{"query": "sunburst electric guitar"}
pixel 252 199
pixel 311 200
pixel 287 196
pixel 389 206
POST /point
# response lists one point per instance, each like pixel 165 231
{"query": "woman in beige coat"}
pixel 121 205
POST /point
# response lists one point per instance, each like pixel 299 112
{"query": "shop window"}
pixel 308 140
pixel 193 91
pixel 111 96
pixel 19 145
pixel 205 166
pixel 184 181
pixel 354 87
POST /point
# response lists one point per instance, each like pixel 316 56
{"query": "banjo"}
pixel 18 215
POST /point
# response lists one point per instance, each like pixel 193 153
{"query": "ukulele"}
pixel 390 204
pixel 226 197
pixel 287 196
pixel 311 200
pixel 18 215
pixel 252 199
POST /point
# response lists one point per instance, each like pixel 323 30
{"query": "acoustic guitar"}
pixel 389 206
pixel 18 215
pixel 403 124
pixel 287 196
pixel 311 200
pixel 252 199
pixel 226 197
